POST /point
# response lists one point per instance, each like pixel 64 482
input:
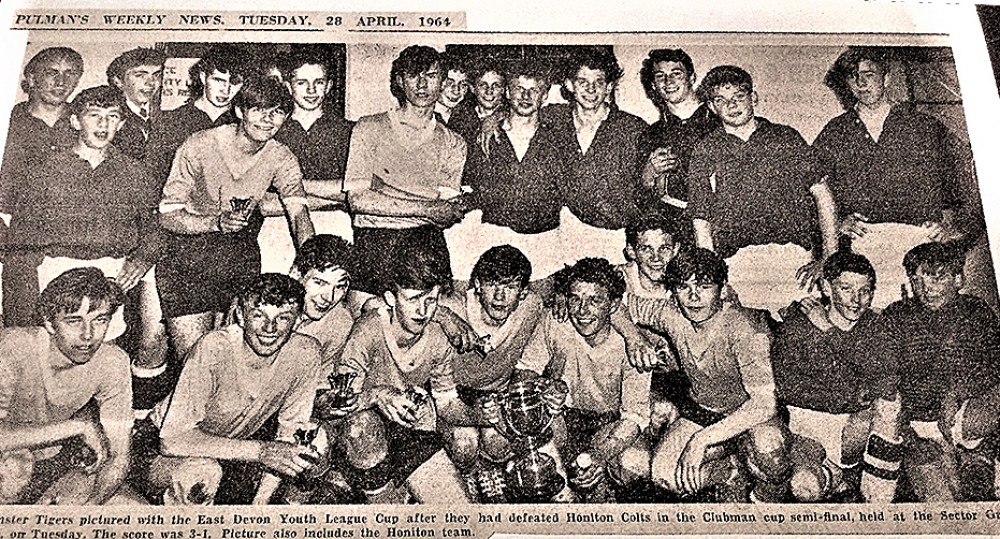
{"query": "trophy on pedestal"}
pixel 526 412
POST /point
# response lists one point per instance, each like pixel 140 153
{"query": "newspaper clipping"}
pixel 319 271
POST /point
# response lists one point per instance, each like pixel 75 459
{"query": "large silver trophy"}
pixel 526 412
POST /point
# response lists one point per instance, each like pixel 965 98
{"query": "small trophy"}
pixel 305 436
pixel 241 205
pixel 331 403
pixel 525 420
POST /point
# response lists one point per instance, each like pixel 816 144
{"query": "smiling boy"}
pixel 726 356
pixel 93 204
pixel 214 249
pixel 138 73
pixel 405 376
pixel 233 381
pixel 757 197
pixel 946 346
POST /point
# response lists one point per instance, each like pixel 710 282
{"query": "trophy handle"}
pixel 501 425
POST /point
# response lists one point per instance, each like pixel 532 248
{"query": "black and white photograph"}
pixel 459 268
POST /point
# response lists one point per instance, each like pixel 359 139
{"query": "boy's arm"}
pixel 116 417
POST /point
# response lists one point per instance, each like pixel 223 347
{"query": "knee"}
pixel 494 445
pixel 809 481
pixel 16 468
pixel 364 439
pixel 767 454
pixel 662 471
pixel 189 472
pixel 464 446
pixel 661 414
pixel 633 465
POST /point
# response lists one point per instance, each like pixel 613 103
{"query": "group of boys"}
pixel 370 372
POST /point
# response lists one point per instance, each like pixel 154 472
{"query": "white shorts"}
pixel 825 428
pixel 763 276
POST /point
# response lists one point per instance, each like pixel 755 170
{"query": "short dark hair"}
pixel 636 227
pixel 454 62
pixel 98 96
pixel 591 270
pixel 702 264
pixel 225 59
pixel 846 68
pixel 503 263
pixel 303 57
pixel 65 293
pixel 529 68
pixel 275 289
pixel 593 57
pixel 263 93
pixel 323 252
pixel 47 55
pixel 139 56
pixel 646 73
pixel 484 65
pixel 413 60
pixel 418 265
pixel 848 262
pixel 935 257
pixel 721 76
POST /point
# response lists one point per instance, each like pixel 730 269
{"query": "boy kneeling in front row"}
pixel 726 355
pixel 607 405
pixel 390 441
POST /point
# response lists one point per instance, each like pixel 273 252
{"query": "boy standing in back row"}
pixel 754 183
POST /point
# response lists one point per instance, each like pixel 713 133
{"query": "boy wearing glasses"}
pixel 757 197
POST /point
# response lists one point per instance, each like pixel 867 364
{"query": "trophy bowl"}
pixel 525 410
pixel 332 403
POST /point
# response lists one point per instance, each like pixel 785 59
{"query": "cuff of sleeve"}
pixel 168 207
pixel 295 200
pixel 355 185
pixel 6 218
pixel 956 430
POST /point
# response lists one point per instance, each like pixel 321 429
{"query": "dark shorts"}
pixel 581 426
pixel 203 272
pixel 471 396
pixel 377 250
pixel 408 449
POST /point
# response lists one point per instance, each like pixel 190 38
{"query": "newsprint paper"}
pixel 938 65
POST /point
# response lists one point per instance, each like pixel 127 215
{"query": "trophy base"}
pixel 532 479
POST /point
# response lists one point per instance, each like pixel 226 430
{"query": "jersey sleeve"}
pixel 635 395
pixel 699 180
pixel 803 160
pixel 753 357
pixel 287 179
pixel 361 156
pixel 453 161
pixel 442 377
pixel 189 401
pixel 181 181
pixel 536 355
